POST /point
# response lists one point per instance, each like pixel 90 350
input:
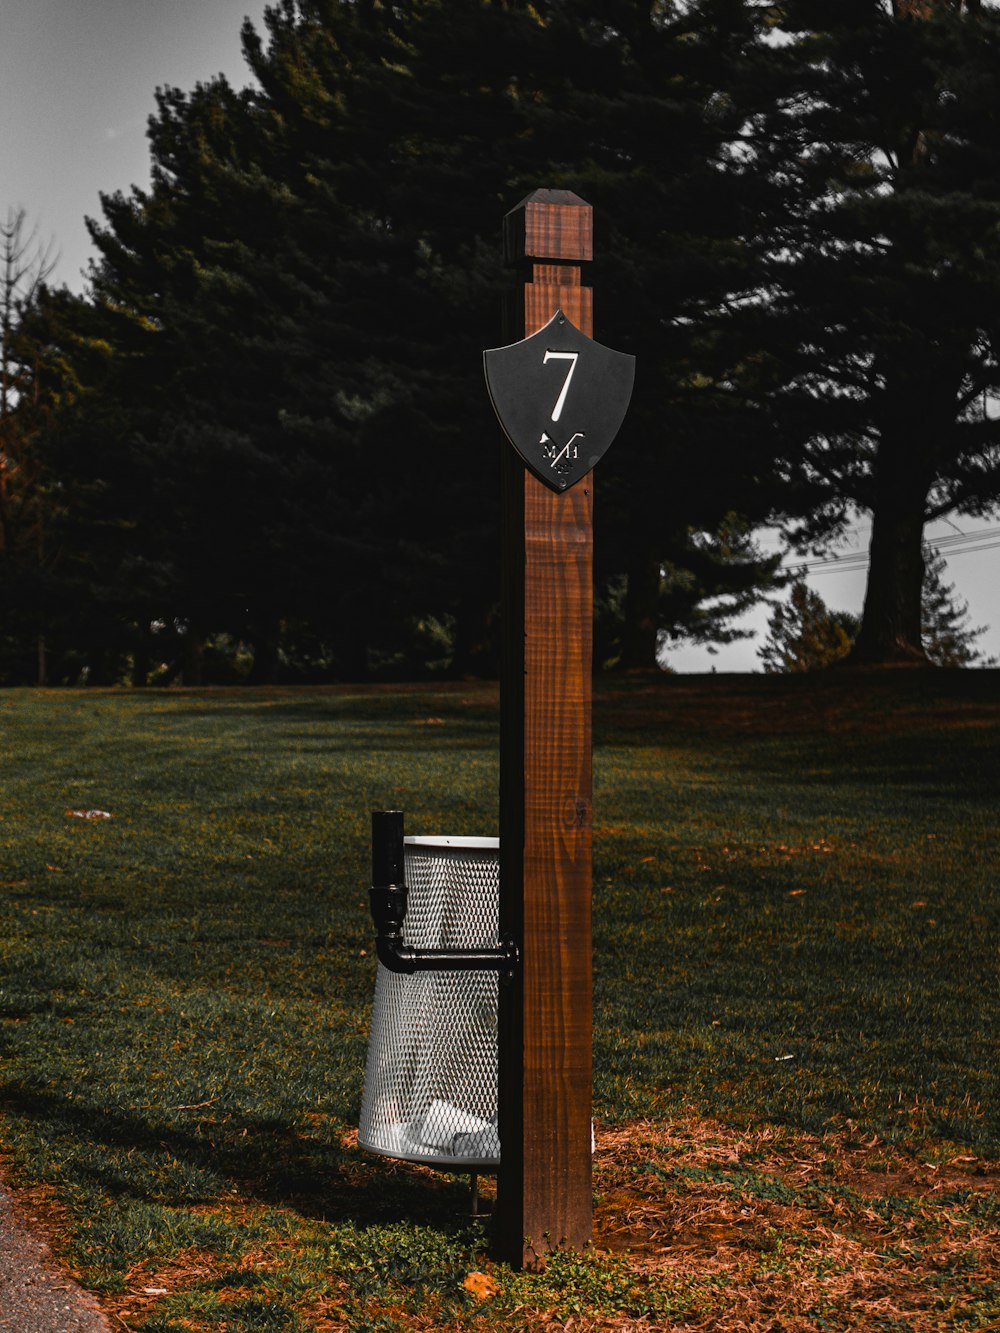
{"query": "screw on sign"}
pixel 561 398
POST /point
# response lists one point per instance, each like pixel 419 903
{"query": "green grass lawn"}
pixel 796 957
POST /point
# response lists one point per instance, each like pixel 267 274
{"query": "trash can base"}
pixel 399 1141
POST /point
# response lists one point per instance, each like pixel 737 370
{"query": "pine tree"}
pixel 880 282
pixel 949 639
pixel 804 635
pixel 315 268
pixel 25 497
pixel 701 598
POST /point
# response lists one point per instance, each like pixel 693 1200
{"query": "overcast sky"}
pixel 77 79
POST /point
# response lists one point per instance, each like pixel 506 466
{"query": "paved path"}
pixel 35 1296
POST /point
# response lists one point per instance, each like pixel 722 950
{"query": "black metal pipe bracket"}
pixel 388 896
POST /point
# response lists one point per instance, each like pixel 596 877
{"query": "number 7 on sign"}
pixel 572 358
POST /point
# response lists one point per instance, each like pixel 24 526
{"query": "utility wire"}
pixel 959 543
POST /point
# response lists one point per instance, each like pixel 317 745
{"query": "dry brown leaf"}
pixel 481 1285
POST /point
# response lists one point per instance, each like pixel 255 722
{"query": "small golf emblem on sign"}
pixel 561 399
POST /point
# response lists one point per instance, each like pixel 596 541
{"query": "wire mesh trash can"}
pixel 431 1078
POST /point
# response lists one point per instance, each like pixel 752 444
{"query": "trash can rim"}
pixel 459 843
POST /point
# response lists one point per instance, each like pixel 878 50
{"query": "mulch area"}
pixel 871 1235
pixel 759 1230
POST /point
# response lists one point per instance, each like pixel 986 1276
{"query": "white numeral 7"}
pixel 571 357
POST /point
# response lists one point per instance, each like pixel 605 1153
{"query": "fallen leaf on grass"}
pixel 480 1285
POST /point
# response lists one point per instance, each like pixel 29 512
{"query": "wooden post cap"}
pixel 549 225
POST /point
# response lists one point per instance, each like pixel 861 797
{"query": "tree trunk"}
pixel 192 657
pixel 916 420
pixel 641 630
pixel 917 414
pixel 142 660
pixel 265 638
pixel 890 625
pixel 100 671
pixel 352 659
pixel 477 650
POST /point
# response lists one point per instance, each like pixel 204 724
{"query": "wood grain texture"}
pixel 545 1186
pixel 549 224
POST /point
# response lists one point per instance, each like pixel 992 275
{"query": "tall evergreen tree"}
pixel 879 286
pixel 311 276
pixel 805 635
pixel 26 501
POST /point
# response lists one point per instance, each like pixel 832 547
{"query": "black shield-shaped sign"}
pixel 561 398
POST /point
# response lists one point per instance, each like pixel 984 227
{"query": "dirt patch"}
pixel 804 1231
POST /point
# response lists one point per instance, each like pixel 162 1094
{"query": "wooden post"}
pixel 545 1198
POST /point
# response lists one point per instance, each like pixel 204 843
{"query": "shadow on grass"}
pixel 266 1161
pixel 358 710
